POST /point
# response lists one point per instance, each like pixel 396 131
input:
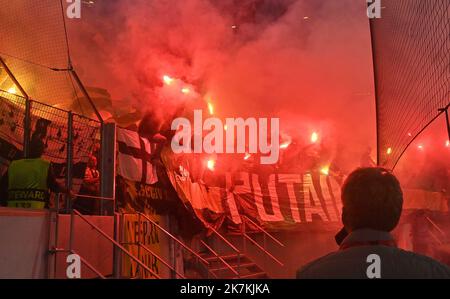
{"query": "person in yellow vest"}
pixel 28 181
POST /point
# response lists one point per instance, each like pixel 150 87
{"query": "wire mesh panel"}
pixel 411 49
pixel 51 124
pixel 34 46
pixel 12 115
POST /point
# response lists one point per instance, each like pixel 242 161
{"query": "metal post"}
pixel 139 243
pixel 117 269
pixel 69 166
pixel 72 221
pixel 108 163
pixel 448 122
pixel 55 254
pixel 13 78
pixel 27 129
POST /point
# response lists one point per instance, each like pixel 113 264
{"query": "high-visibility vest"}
pixel 27 183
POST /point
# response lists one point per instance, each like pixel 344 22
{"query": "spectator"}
pixel 28 181
pixel 372 203
pixel 90 187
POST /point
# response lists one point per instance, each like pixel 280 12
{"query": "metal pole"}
pixel 116 254
pixel 13 78
pixel 56 235
pixel 72 216
pixel 448 122
pixel 69 165
pixel 27 129
pixel 377 94
pixel 139 242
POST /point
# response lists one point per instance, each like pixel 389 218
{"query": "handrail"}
pixel 225 240
pixel 171 236
pixel 94 197
pixel 115 243
pixel 436 227
pixel 88 265
pixel 263 231
pixel 220 258
pixel 161 260
pixel 263 249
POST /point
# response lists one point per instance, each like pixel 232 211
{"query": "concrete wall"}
pixel 88 243
pixel 24 243
pixel 25 236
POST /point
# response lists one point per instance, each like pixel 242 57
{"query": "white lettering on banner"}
pixel 276 216
pixel 315 207
pixel 290 180
pixel 244 186
pixel 331 202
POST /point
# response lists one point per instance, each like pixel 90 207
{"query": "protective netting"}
pixel 34 46
pixel 411 49
pixel 52 126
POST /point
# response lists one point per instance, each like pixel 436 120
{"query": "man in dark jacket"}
pixel 372 204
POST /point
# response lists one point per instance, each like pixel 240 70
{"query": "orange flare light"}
pixel 325 170
pixel 167 80
pixel 314 137
pixel 185 90
pixel 389 151
pixel 247 156
pixel 211 164
pixel 285 145
pixel 211 108
pixel 12 90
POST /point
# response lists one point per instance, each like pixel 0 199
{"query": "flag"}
pixel 134 158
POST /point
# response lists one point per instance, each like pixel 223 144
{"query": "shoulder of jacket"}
pixel 303 271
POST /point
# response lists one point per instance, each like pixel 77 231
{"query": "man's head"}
pixel 37 148
pixel 92 162
pixel 372 198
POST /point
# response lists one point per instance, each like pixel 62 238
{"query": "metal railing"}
pixel 235 250
pixel 227 265
pixel 443 236
pixel 265 233
pixel 172 237
pixel 107 237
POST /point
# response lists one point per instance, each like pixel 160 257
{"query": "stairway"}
pixel 245 267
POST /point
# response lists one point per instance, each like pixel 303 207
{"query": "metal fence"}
pixel 70 139
pixel 411 51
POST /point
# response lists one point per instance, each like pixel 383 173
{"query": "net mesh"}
pixel 411 49
pixel 34 47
